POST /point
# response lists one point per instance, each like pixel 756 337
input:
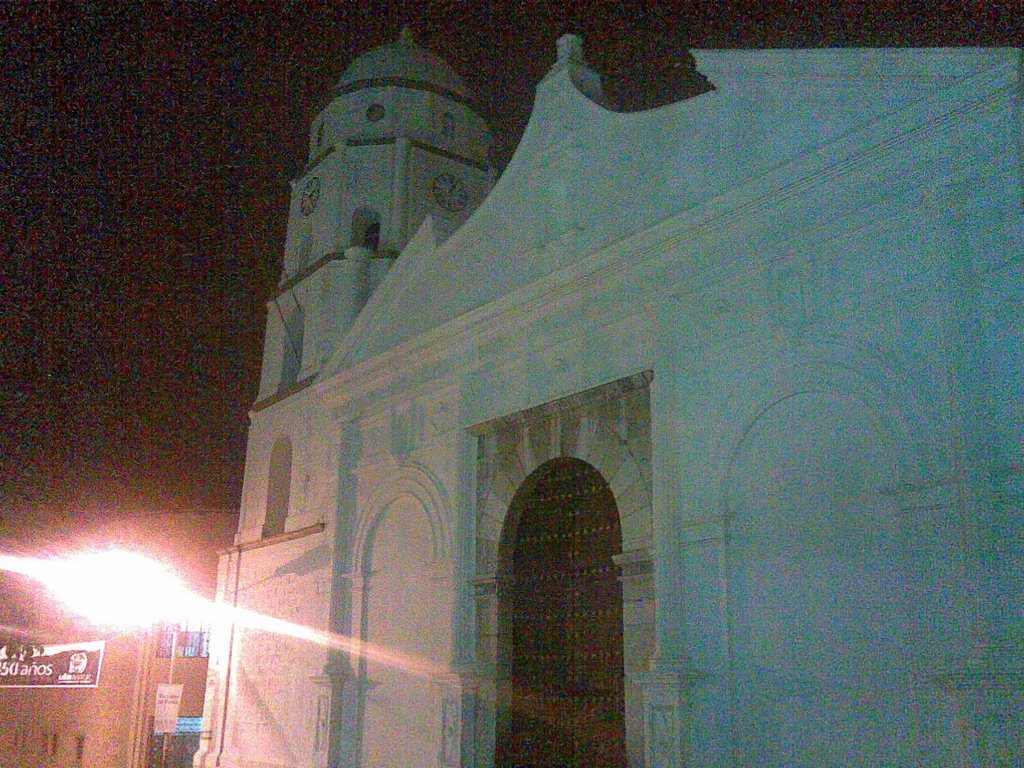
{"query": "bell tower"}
pixel 400 140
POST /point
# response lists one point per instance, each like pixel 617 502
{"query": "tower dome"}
pixel 403 63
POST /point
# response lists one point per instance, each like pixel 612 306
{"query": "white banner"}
pixel 76 665
pixel 165 711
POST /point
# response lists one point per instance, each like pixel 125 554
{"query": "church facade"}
pixel 693 439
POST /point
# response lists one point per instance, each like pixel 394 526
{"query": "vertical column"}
pixel 333 692
pixel 346 747
pixel 346 601
pixel 464 649
pixel 395 234
pixel 985 678
pixel 702 553
pixel 687 679
pixel 219 703
pixel 485 687
pixel 664 719
pixel 663 686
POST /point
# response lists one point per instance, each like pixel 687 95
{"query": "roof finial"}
pixel 570 49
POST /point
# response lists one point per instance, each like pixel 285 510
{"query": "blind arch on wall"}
pixel 279 481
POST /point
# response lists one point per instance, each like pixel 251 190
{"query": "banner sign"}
pixel 59 666
pixel 165 711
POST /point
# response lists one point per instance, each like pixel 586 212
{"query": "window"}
pixel 366 229
pixel 193 640
pixel 291 360
pixel 447 125
pixel 305 249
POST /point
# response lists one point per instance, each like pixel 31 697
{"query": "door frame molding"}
pixel 609 428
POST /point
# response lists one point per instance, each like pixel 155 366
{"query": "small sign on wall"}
pixel 165 710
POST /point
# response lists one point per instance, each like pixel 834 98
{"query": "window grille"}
pixel 193 640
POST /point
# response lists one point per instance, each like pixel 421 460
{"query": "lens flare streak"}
pixel 243 617
pixel 124 589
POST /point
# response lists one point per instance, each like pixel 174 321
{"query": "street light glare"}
pixel 113 587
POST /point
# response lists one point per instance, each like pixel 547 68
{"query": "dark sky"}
pixel 144 166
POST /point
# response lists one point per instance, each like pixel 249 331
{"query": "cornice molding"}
pixel 448 154
pixel 612 390
pixel 313 164
pixel 305 272
pixel 282 394
pixel 298 533
pixel 402 82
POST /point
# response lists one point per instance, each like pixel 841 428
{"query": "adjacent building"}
pixel 695 438
pixel 108 722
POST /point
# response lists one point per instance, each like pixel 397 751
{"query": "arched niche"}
pixel 279 480
pixel 404 631
pixel 816 575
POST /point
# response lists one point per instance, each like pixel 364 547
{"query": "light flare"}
pixel 249 619
pixel 124 589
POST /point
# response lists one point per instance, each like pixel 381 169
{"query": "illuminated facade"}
pixel 694 440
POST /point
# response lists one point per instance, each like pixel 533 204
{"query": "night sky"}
pixel 146 153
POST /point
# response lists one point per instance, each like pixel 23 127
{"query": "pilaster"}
pixel 981 689
pixel 346 750
pixel 457 703
pixel 636 575
pixel 333 691
pixel 668 652
pixel 665 718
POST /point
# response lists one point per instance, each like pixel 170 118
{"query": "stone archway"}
pixel 560 655
pixel 608 429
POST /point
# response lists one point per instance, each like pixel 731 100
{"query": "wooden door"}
pixel 562 610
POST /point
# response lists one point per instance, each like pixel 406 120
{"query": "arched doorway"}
pixel 560 654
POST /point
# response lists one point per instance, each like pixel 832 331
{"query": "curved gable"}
pixel 584 177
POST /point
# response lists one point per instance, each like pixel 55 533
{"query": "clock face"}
pixel 449 192
pixel 310 196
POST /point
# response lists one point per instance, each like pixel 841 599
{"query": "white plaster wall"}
pixel 831 551
pixel 272 695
